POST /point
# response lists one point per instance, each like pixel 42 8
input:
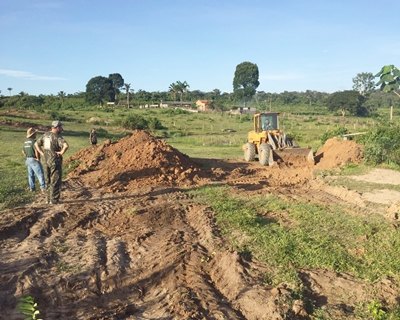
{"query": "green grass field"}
pixel 206 135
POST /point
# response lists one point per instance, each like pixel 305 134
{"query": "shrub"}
pixel 102 133
pixel 155 124
pixel 382 144
pixel 54 115
pixel 173 112
pixel 245 118
pixel 333 133
pixel 134 121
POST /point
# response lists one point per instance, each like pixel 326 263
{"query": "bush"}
pixel 155 124
pixel 333 133
pixel 102 133
pixel 245 118
pixel 54 115
pixel 174 112
pixel 134 121
pixel 382 144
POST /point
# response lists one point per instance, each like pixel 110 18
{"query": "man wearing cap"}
pixel 33 161
pixel 52 145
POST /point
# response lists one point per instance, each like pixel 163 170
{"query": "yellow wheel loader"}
pixel 270 144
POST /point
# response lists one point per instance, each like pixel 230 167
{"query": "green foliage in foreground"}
pixel 29 308
pixel 382 144
pixel 288 236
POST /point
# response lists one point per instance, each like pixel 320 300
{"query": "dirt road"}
pixel 128 243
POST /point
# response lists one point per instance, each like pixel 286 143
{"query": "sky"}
pixel 48 46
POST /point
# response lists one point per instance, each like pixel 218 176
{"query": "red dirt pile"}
pixel 336 152
pixel 133 162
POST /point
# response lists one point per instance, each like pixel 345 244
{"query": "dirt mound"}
pixel 336 152
pixel 134 161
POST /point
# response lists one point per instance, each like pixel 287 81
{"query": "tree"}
pixel 347 101
pixel 364 83
pixel 117 82
pixel 127 87
pixel 389 82
pixel 389 79
pixel 143 96
pixel 99 89
pixel 245 81
pixel 9 89
pixel 182 88
pixel 178 87
pixel 215 94
pixel 173 89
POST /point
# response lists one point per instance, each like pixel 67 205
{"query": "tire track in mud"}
pixel 149 256
pixel 186 290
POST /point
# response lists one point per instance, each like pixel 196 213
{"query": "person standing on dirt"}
pixel 93 137
pixel 32 161
pixel 53 146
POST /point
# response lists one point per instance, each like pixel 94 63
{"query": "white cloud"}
pixel 27 75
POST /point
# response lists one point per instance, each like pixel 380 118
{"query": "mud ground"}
pixel 127 241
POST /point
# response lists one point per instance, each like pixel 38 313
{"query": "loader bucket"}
pixel 294 155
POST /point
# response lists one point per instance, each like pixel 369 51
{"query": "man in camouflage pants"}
pixel 52 146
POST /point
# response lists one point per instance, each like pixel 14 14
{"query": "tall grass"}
pixel 289 235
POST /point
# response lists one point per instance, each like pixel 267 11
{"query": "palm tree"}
pixel 182 88
pixel 127 87
pixel 174 89
pixel 9 89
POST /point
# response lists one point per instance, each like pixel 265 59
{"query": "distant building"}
pixel 186 104
pixel 146 106
pixel 243 110
pixel 203 105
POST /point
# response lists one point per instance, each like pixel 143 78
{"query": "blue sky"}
pixel 49 46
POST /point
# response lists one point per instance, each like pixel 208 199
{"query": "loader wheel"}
pixel 249 151
pixel 265 156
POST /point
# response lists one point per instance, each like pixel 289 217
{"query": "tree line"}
pixel 363 100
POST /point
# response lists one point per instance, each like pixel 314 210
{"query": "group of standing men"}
pixel 51 146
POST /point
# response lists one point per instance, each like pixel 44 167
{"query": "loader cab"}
pixel 266 121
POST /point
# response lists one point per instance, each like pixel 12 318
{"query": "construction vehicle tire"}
pixel 265 156
pixel 249 151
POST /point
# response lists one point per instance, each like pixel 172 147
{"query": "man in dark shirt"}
pixel 32 161
pixel 93 137
pixel 52 146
